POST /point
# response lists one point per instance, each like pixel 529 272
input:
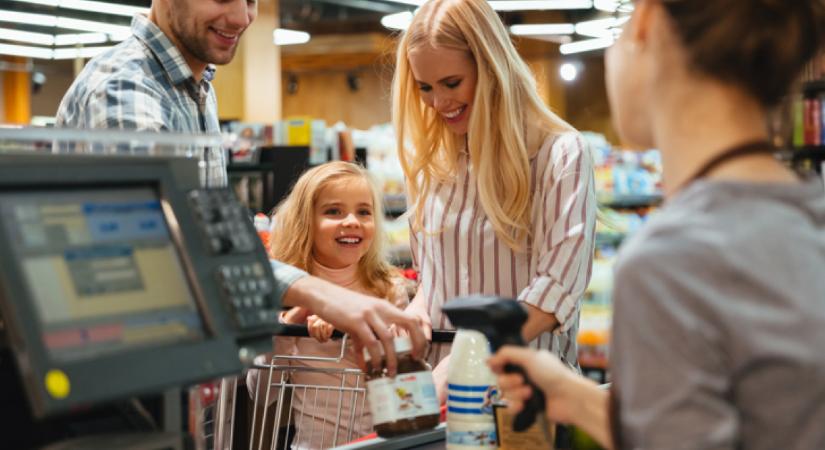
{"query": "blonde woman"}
pixel 331 226
pixel 501 189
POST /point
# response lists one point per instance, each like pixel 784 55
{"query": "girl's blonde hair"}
pixel 506 101
pixel 294 224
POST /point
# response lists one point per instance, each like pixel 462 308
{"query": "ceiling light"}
pixel 90 25
pixel 543 29
pixel 586 45
pixel 522 5
pixel 282 36
pixel 121 35
pixel 86 5
pixel 73 53
pixel 397 21
pixel 601 28
pixel 80 38
pixel 45 20
pixel 410 2
pixel 613 5
pixel 41 20
pixel 568 72
pixel 529 5
pixel 26 36
pixel 25 51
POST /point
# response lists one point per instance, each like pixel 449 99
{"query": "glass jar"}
pixel 406 402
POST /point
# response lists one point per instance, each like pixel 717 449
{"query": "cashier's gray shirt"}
pixel 719 323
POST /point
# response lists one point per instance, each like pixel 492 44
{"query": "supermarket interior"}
pixel 158 157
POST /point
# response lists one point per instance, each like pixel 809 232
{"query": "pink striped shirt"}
pixel 466 257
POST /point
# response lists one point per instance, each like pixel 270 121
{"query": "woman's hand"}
pixel 545 371
pixel 319 329
pixel 418 308
pixel 440 379
pixel 295 315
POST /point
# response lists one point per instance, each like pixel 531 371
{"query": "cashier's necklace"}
pixel 759 147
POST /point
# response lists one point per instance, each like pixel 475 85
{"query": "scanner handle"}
pixel 532 407
pixel 535 404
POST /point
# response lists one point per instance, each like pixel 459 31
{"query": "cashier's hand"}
pixel 366 319
pixel 319 329
pixel 545 370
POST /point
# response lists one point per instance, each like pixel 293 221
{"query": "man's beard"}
pixel 195 45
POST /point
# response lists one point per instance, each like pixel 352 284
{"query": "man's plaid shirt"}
pixel 144 83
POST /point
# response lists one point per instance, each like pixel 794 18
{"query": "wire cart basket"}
pixel 297 401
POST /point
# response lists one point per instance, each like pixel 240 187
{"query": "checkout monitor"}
pixel 101 269
pixel 109 286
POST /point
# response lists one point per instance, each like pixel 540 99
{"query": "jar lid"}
pixel 401 344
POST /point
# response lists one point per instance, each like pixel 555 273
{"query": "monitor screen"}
pixel 101 270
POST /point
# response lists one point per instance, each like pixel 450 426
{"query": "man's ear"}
pixel 640 26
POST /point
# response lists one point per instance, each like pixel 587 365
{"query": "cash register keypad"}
pixel 247 289
pixel 222 219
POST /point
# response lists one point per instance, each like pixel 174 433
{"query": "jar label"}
pixel 406 396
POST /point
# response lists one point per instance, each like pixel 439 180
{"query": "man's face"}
pixel 209 30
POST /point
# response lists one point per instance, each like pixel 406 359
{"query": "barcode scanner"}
pixel 500 320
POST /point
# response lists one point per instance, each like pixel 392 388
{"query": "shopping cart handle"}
pixel 292 330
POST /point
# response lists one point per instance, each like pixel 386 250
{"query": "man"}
pixel 159 79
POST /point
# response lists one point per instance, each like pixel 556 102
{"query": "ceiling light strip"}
pixel 539 5
pixel 586 45
pixel 26 51
pixel 91 6
pixel 543 29
pixel 282 36
pixel 44 20
pixel 26 36
pixel 522 5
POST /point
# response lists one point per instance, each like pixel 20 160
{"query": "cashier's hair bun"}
pixel 761 45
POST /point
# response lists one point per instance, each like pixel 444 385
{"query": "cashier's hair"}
pixel 506 99
pixel 761 45
pixel 292 233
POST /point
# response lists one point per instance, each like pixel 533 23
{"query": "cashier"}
pixel 719 301
pixel 500 187
pixel 159 79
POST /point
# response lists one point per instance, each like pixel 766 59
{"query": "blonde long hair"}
pixel 505 102
pixel 294 223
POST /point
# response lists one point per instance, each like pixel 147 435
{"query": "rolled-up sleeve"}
pixel 563 232
pixel 285 275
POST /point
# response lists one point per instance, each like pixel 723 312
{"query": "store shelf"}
pixel 609 239
pixel 395 204
pixel 400 255
pixel 813 87
pixel 813 154
pixel 810 152
pixel 630 201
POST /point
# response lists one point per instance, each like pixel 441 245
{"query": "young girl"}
pixel 331 226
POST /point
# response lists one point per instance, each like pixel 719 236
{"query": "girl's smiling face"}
pixel 344 222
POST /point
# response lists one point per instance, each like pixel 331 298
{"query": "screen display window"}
pixel 101 269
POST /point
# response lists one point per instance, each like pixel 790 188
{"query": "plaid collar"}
pixel 165 51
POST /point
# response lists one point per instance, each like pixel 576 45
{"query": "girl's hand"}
pixel 546 371
pixel 319 329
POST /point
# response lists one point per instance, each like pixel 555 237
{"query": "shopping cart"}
pixel 299 401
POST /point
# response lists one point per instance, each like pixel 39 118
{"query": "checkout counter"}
pixel 120 277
